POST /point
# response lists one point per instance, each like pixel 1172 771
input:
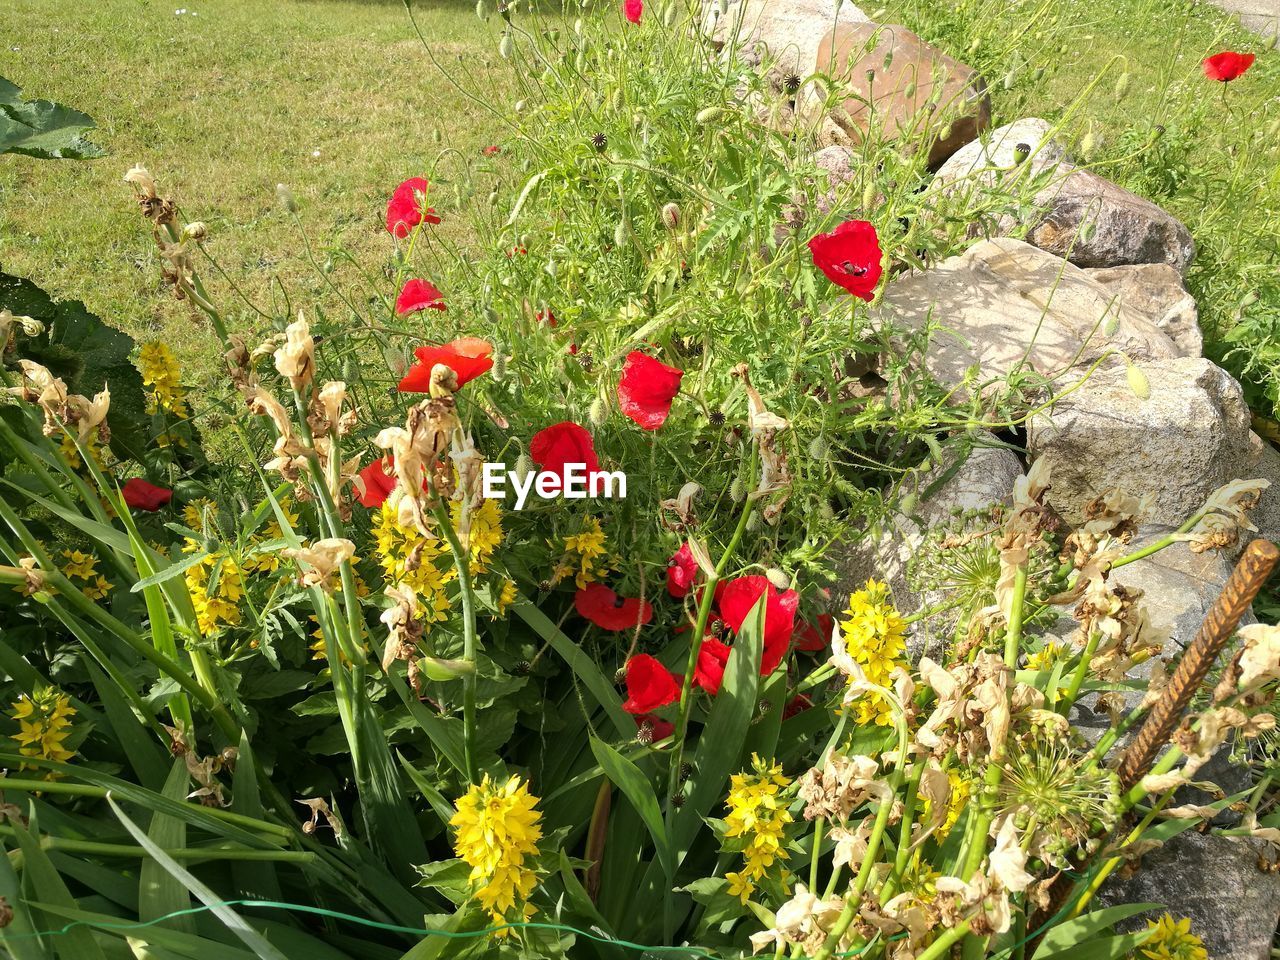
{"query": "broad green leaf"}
pixel 159 892
pixel 43 129
pixel 41 875
pixel 582 665
pixel 1104 948
pixel 17 937
pixel 1072 932
pixel 136 742
pixel 449 877
pixel 233 921
pixel 637 788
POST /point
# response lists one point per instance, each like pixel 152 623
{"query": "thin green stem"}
pixel 461 562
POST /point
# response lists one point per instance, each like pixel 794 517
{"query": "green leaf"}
pixel 40 873
pixel 183 943
pixel 159 892
pixel 233 921
pixel 43 129
pixel 18 936
pixel 637 788
pixel 1104 948
pixel 582 665
pixel 450 877
pixel 1071 933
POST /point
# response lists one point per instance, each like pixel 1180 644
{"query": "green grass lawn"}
pixel 339 101
pixel 336 99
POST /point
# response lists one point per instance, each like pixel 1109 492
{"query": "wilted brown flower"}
pixel 324 559
pixel 296 358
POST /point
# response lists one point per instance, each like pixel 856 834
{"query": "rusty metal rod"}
pixel 1248 577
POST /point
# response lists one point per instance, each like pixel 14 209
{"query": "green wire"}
pixel 450 934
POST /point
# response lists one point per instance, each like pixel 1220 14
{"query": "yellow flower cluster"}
pixel 217 603
pixel 84 567
pixel 44 723
pixel 200 513
pixel 162 378
pixel 757 812
pixel 507 594
pixel 583 553
pixel 484 535
pixel 407 557
pixel 874 634
pixel 498 829
pixel 1173 940
pixel 70 453
pixel 268 560
pixel 1046 656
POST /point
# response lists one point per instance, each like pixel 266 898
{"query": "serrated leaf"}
pixel 43 129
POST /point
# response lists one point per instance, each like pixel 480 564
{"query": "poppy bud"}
pixel 778 578
pixel 598 412
pixel 737 490
pixel 671 216
pixel 620 233
pixel 708 115
pixel 1111 325
pixel 910 90
pixel 1011 78
pixel 1122 85
pixel 520 105
pixel 1088 144
pixel 976 45
pixel 525 240
pixel 826 511
pixel 284 197
pixel 436 135
pixel 1037 74
pixel 499 369
pixel 818 448
pixel 908 504
pixel 483 9
pixel 493 197
pixel 754 523
pixel 1138 382
pixel 524 465
pixel 1020 153
pixel 869 195
pixel 578 26
pixel 505 46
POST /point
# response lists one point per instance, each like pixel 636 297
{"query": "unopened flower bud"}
pixel 505 46
pixel 598 412
pixel 671 216
pixel 1138 382
pixel 524 465
pixel 708 115
pixel 1122 85
pixel 196 230
pixel 818 448
pixel 620 233
pixel 778 578
pixel 284 197
pixel 737 490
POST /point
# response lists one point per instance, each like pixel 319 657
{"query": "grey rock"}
pixel 1064 209
pixel 1004 303
pixel 1094 223
pixel 1189 437
pixel 1234 907
pixel 1157 292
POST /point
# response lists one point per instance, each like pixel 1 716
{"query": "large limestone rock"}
pixel 1156 290
pixel 904 88
pixel 789 31
pixel 1189 437
pixel 1214 880
pixel 1095 223
pixel 1004 302
pixel 1075 213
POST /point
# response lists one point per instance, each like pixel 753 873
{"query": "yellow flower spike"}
pixel 875 636
pixel 1173 940
pixel 757 811
pixel 44 723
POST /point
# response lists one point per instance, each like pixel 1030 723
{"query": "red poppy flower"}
pixel 468 357
pixel 738 597
pixel 713 656
pixel 490 151
pixel 418 295
pixel 607 610
pixel 1227 65
pixel 659 729
pixel 650 685
pixel 140 495
pixel 632 9
pixel 405 208
pixel 375 482
pixel 682 570
pixel 547 317
pixel 850 257
pixel 514 251
pixel 555 447
pixel 647 388
pixel 816 636
pixel 573 349
pixel 797 704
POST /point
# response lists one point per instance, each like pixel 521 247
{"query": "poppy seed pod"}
pixel 1020 153
pixel 671 216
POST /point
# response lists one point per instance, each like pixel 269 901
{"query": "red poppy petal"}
pixel 141 495
pixel 468 357
pixel 600 605
pixel 375 482
pixel 553 447
pixel 418 295
pixel 647 388
pixel 850 257
pixel 650 685
pixel 713 657
pixel 633 9
pixel 682 571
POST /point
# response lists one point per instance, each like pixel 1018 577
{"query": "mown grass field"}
pixel 339 101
